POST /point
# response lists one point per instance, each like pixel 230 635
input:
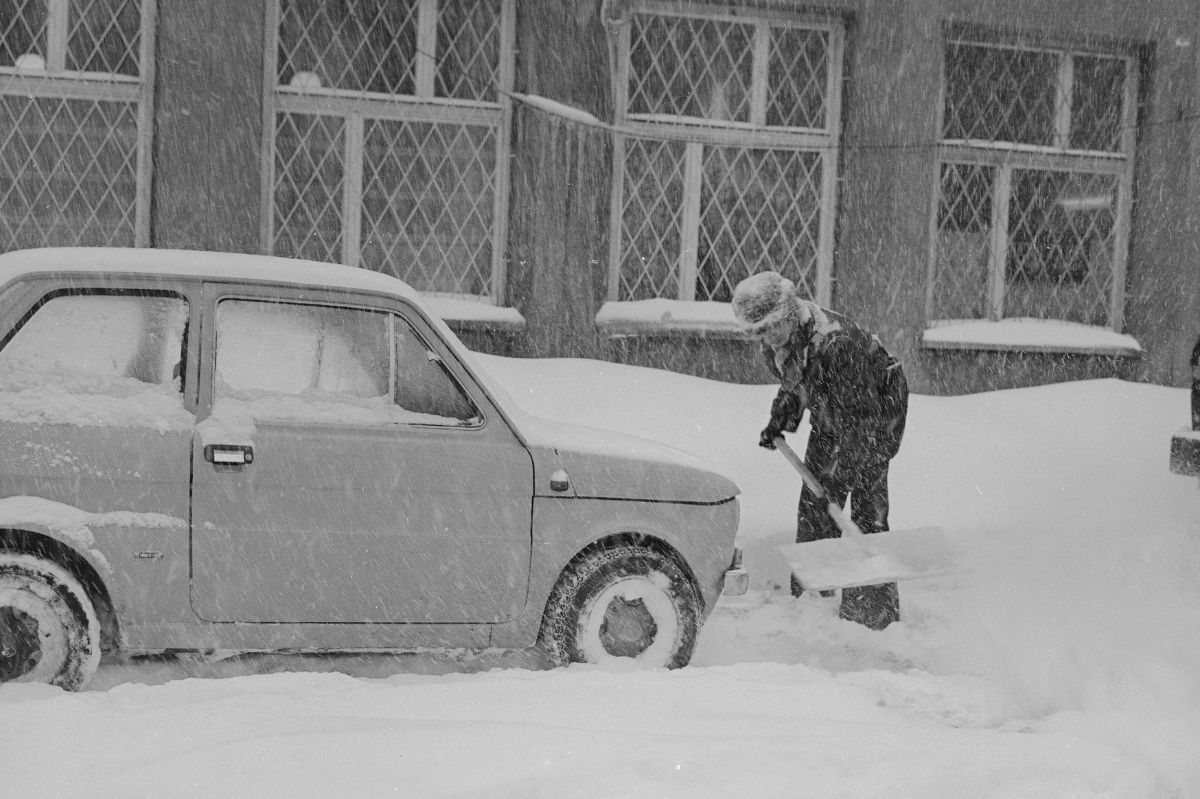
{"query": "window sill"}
pixel 647 318
pixel 1028 335
pixel 475 313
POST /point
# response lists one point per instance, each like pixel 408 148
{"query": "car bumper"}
pixel 1185 453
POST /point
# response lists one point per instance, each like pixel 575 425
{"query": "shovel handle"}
pixel 844 522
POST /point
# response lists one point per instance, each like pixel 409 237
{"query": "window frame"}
pixel 699 134
pixel 1006 157
pixel 56 82
pixel 354 108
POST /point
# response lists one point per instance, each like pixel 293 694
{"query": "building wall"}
pixel 207 178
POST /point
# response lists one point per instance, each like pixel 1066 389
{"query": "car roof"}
pixel 206 265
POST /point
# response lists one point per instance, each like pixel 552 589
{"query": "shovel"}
pixel 856 559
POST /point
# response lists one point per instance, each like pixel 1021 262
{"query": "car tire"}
pixel 625 601
pixel 48 627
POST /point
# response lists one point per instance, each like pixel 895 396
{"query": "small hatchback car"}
pixel 208 451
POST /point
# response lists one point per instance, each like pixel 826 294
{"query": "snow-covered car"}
pixel 1185 445
pixel 208 451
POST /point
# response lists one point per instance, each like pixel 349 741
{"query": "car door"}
pixel 348 471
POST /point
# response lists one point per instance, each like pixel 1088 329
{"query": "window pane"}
pixel 22 30
pixel 798 73
pixel 104 338
pixel 1060 258
pixel 963 242
pixel 996 94
pixel 686 67
pixel 759 209
pixel 70 172
pixel 427 204
pixel 1097 103
pixel 308 187
pixel 423 386
pixel 301 349
pixel 468 49
pixel 651 219
pixel 366 45
pixel 104 36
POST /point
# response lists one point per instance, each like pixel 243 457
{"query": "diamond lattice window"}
pixel 75 101
pixel 1036 165
pixel 729 164
pixel 389 140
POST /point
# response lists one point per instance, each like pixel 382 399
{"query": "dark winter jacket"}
pixel 853 388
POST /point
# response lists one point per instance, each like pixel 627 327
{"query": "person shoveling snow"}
pixel 857 398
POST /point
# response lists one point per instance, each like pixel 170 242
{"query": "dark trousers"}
pixel 863 477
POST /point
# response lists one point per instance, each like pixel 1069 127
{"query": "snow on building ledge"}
pixel 1028 335
pixel 474 313
pixel 661 317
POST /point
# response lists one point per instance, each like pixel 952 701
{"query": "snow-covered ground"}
pixel 1062 660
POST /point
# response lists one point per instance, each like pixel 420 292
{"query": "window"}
pixel 98 344
pixel 1036 167
pixel 314 363
pixel 387 138
pixel 75 106
pixel 729 167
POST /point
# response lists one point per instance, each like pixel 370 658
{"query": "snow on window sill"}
pixel 1028 335
pixel 662 317
pixel 474 313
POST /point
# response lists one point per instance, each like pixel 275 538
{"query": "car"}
pixel 1185 444
pixel 207 451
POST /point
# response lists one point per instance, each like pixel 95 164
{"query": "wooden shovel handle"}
pixel 844 522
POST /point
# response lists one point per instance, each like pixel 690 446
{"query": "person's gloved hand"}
pixel 766 439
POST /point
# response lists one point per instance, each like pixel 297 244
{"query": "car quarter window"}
pixel 98 342
pixel 326 364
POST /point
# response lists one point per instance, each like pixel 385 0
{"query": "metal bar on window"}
pixel 57 24
pixel 825 231
pixel 1090 162
pixel 270 78
pixel 145 154
pixel 693 179
pixel 503 149
pixel 1124 210
pixel 352 191
pixel 758 74
pixel 833 89
pixel 998 246
pixel 388 107
pixel 1064 86
pixel 615 218
pixel 426 56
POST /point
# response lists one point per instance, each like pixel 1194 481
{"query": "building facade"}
pixel 1008 192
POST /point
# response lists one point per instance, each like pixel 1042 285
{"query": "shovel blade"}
pixel 853 561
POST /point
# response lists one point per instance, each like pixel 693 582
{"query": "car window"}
pixel 316 363
pixel 423 385
pixel 105 338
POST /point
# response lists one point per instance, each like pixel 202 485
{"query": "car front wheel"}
pixel 625 601
pixel 48 628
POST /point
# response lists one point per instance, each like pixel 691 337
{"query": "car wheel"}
pixel 625 601
pixel 48 628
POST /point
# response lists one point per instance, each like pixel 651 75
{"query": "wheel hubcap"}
pixel 628 629
pixel 19 648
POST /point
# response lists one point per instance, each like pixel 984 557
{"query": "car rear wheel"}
pixel 625 601
pixel 48 628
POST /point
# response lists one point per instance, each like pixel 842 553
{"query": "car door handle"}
pixel 229 454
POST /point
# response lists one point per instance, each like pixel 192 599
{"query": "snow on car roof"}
pixel 201 264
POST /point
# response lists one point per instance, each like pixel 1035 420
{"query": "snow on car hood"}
pixel 612 465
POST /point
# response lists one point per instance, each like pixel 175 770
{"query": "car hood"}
pixel 611 465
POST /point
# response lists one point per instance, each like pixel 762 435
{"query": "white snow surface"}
pixel 1028 334
pixel 1061 660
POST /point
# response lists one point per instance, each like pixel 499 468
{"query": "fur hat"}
pixel 763 299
